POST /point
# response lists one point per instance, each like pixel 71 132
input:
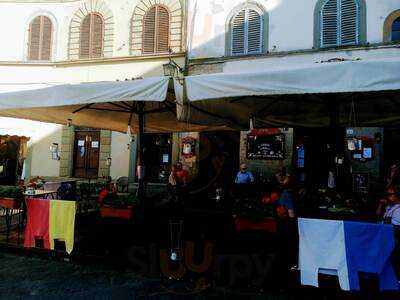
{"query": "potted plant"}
pixel 121 207
pixel 11 197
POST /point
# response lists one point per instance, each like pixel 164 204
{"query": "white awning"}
pixel 149 89
pixel 297 95
pixel 328 77
pixel 105 105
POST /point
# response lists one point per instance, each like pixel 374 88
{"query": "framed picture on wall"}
pixel 265 146
pixel 188 147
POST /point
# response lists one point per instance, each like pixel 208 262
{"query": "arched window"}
pixel 91 36
pixel 246 32
pixel 156 28
pixel 40 38
pixel 396 30
pixel 339 23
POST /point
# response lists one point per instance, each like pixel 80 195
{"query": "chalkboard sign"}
pixel 266 147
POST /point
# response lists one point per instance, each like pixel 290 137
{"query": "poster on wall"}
pixel 188 147
pixel 265 146
pixel 361 148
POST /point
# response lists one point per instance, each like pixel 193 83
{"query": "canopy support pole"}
pixel 141 168
pixel 334 122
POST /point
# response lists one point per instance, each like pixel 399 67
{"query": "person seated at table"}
pixel 285 205
pixel 283 178
pixel 244 176
pixel 108 189
pixel 393 176
pixel 389 207
pixel 179 176
pixel 389 212
pixel 177 181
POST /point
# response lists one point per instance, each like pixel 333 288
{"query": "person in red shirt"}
pixel 177 182
pixel 179 176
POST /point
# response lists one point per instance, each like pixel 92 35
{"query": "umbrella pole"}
pixel 141 170
pixel 334 129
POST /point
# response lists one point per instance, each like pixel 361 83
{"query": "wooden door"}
pixel 86 154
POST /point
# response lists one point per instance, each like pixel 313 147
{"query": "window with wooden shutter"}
pixel 91 36
pixel 396 30
pixel 156 30
pixel 40 38
pixel 246 32
pixel 339 21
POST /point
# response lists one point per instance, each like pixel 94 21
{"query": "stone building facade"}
pixel 84 41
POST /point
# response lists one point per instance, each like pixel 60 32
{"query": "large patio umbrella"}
pixel 327 93
pixel 143 105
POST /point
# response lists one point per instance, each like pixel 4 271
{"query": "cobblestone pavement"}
pixel 23 277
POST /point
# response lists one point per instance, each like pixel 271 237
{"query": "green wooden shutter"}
pixel 329 24
pixel 254 32
pixel 238 33
pixel 339 21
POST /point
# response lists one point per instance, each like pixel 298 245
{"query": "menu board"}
pixel 266 147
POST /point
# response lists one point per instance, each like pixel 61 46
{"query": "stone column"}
pixel 105 152
pixel 67 151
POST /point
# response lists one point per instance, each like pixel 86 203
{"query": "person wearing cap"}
pixel 244 176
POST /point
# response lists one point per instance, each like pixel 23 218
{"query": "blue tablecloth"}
pixel 346 248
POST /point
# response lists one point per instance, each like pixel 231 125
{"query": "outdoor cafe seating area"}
pixel 108 225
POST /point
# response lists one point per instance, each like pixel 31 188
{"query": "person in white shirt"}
pixel 389 207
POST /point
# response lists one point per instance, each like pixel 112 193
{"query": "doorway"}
pixel 315 150
pixel 11 159
pixel 157 156
pixel 86 154
pixel 219 158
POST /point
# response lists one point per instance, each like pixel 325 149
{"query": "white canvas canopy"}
pixel 364 92
pixel 104 105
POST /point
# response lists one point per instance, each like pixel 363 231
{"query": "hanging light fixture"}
pixel 251 123
pixel 69 122
pixel 129 131
pixel 172 69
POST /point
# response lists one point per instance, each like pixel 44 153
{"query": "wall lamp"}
pixel 172 69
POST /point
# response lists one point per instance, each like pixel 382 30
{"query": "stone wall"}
pixel 206 68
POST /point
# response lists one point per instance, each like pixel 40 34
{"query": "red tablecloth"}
pixel 267 225
pixel 37 224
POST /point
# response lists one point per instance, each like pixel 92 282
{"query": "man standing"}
pixel 244 176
